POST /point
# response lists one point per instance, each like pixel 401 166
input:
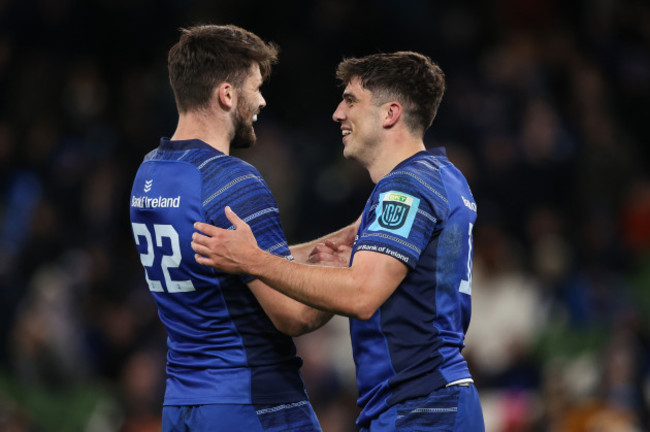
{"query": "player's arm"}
pixel 332 249
pixel 260 208
pixel 287 315
pixel 356 291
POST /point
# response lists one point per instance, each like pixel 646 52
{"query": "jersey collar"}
pixel 168 144
pixel 435 151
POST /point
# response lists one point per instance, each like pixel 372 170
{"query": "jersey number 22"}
pixel 166 262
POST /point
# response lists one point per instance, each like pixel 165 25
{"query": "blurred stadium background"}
pixel 546 113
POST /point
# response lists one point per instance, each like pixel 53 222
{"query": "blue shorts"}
pixel 290 417
pixel 450 409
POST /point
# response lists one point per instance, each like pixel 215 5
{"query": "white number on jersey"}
pixel 166 262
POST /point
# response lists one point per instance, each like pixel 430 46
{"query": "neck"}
pixel 392 154
pixel 213 130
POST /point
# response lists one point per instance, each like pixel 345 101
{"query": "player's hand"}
pixel 330 254
pixel 224 249
pixel 349 234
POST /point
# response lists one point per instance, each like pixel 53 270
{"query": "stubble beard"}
pixel 244 136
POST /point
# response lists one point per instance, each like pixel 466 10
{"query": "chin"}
pixel 244 139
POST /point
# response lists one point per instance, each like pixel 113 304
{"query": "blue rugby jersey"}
pixel 222 347
pixel 421 213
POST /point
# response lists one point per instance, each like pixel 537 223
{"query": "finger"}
pixel 320 247
pixel 319 255
pixel 321 258
pixel 200 249
pixel 202 260
pixel 200 238
pixel 331 244
pixel 206 229
pixel 234 219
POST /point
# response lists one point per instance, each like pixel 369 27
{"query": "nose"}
pixel 262 102
pixel 339 115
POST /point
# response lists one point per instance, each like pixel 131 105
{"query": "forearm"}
pixel 288 315
pixel 335 289
pixel 355 291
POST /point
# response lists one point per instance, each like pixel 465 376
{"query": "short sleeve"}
pixel 250 198
pixel 399 220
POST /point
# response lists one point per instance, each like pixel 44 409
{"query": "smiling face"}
pixel 361 123
pixel 249 104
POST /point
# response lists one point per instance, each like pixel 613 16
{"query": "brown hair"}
pixel 412 79
pixel 208 55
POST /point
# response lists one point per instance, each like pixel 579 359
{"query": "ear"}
pixel 225 94
pixel 393 112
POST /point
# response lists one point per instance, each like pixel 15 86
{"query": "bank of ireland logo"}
pixel 395 213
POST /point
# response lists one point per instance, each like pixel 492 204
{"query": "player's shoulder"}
pixel 242 165
pixel 416 171
pixel 426 164
pixel 232 175
pixel 418 177
pixel 216 164
pixel 153 154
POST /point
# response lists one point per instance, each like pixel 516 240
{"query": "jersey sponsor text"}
pixel 155 202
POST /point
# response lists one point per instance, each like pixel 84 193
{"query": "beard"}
pixel 244 136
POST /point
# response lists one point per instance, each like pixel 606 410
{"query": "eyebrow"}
pixel 350 96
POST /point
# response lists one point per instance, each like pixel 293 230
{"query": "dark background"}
pixel 546 114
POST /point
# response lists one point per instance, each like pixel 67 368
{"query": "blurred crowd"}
pixel 546 114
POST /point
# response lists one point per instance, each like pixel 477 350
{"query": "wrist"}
pixel 254 262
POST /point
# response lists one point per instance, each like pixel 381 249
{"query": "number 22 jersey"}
pixel 222 347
